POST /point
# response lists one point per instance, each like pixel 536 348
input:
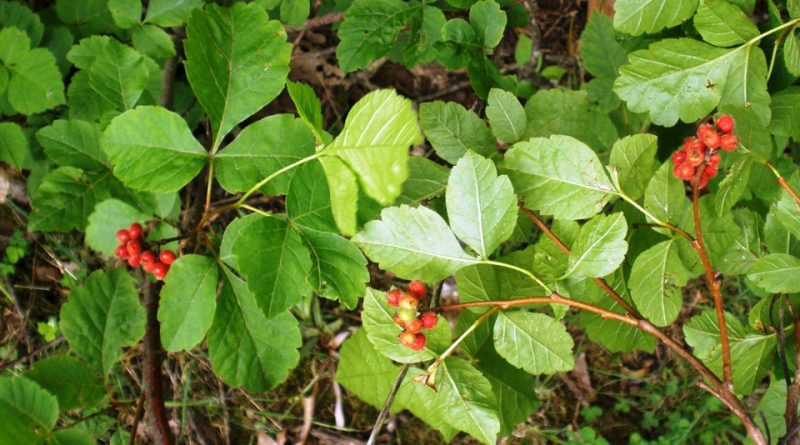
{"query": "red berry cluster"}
pixel 701 152
pixel 407 316
pixel 130 248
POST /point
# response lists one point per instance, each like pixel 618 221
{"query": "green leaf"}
pixel 382 331
pixel 786 209
pixel 459 44
pixel 369 31
pixel 153 41
pixel 237 61
pixel 723 24
pixel 656 283
pixel 308 200
pixel 452 130
pixel 119 75
pixel 89 16
pixel 18 15
pixel 374 143
pixel 426 32
pixel 600 248
pixel 247 349
pixel 275 263
pixel 126 13
pixel 746 86
pixel 773 407
pixel 489 22
pixel 484 282
pixel 74 143
pixel 732 186
pixel 786 113
pixel 426 180
pixel 364 372
pixel 558 176
pixel 108 217
pixel 170 12
pixel 27 412
pixel 534 342
pixel 632 158
pixel 649 16
pixel 262 149
pixel 665 196
pixel 338 268
pixel 295 12
pixel 791 53
pixel 35 83
pixel 87 50
pixel 601 54
pixel 746 247
pixel 152 149
pixel 413 243
pixel 102 317
pixel 308 108
pixel 559 112
pixel 14 146
pixel 188 301
pixel 71 436
pixel 343 186
pixel 776 273
pixel 506 116
pixel 481 206
pixel 75 383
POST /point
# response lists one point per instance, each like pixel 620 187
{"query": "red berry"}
pixel 428 320
pixel 147 267
pixel 710 170
pixel 714 159
pixel 419 342
pixel 134 247
pixel 160 270
pixel 407 339
pixel 703 129
pixel 406 315
pixel 133 260
pixel 135 230
pixel 697 144
pixel 399 321
pixel 414 325
pixel 123 236
pixel 679 156
pixel 729 142
pixel 725 123
pixel 684 171
pixel 407 301
pixel 167 257
pixel 711 139
pixel 694 157
pixel 417 288
pixel 393 297
pixel 121 252
pixel 147 257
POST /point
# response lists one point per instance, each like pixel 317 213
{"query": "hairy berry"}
pixel 428 320
pixel 407 339
pixel 694 157
pixel 703 129
pixel 711 139
pixel 729 142
pixel 710 170
pixel 417 288
pixel 725 123
pixel 679 157
pixel 414 325
pixel 419 342
pixel 714 159
pixel 134 247
pixel 133 260
pixel 684 171
pixel 147 257
pixel 393 297
pixel 408 301
pixel 123 236
pixel 167 257
pixel 121 252
pixel 135 230
pixel 160 270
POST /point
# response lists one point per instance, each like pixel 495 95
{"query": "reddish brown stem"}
pixel 599 281
pixel 153 386
pixel 713 284
pixel 789 189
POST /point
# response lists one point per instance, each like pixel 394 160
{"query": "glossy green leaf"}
pixel 426 32
pixel 374 143
pixel 633 161
pixel 489 22
pixel 102 317
pixel 723 24
pixel 649 16
pixel 14 146
pixel 776 273
pixel 534 342
pixel 237 60
pixel 170 12
pixel 600 247
pixel 559 112
pixel 453 130
pixel 247 349
pixel 413 243
pixel 74 143
pixel 558 176
pixel 506 116
pixel 188 301
pixel 601 53
pixel 75 383
pixel 482 207
pixel 152 149
pixel 656 283
pixel 262 149
pixel 274 261
pixel 369 30
pixel 338 268
pixel 27 412
pixel 484 282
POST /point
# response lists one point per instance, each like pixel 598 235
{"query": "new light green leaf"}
pixel 506 116
pixel 237 60
pixel 374 143
pixel 152 149
pixel 364 372
pixel 262 149
pixel 74 143
pixel 650 16
pixel 369 30
pixel 382 331
pixel 453 130
pixel 481 206
pixel 632 160
pixel 27 412
pixel 275 263
pixel 558 176
pixel 338 268
pixel 14 146
pixel 413 243
pixel 170 12
pixel 723 24
pixel 102 317
pixel 74 382
pixel 600 247
pixel 776 273
pixel 675 79
pixel 188 301
pixel 489 22
pixel 534 342
pixel 247 349
pixel 656 283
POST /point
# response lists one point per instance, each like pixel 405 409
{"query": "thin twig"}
pixel 387 405
pixel 136 418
